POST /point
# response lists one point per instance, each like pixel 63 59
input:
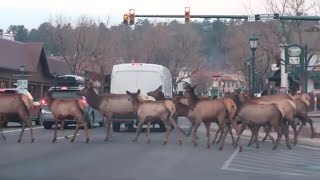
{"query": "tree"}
pixel 19 31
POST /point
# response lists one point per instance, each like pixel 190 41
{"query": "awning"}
pixel 276 76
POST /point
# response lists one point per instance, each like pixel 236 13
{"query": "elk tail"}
pixel 26 101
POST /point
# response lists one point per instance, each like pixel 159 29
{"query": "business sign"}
pixel 22 84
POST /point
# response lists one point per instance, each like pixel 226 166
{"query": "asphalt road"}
pixel 122 159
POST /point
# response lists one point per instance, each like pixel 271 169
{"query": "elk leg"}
pixel 75 132
pixel 207 125
pixel 178 130
pixel 108 122
pixel 256 134
pixel 22 131
pixel 294 128
pixel 216 135
pixel 279 133
pixel 55 131
pixel 286 133
pixel 168 131
pixel 85 126
pixel 231 134
pixel 194 132
pixel 242 128
pixel 252 135
pixel 226 128
pixel 138 131
pixel 221 133
pixel 1 131
pixel 148 132
pixel 29 124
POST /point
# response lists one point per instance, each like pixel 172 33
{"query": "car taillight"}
pixel 84 101
pixel 43 102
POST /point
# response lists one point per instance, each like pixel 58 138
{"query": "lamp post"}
pixel 253 41
pixel 248 63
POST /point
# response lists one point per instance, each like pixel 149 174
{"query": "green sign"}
pixel 293 58
pixel 22 84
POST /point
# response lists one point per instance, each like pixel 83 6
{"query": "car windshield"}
pixel 65 94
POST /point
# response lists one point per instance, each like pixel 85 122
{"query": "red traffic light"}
pixel 132 14
pixel 187 14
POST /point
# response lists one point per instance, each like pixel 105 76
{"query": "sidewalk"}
pixel 314 114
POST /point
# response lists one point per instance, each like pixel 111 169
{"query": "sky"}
pixel 32 13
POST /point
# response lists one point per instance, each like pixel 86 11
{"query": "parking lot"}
pixel 120 158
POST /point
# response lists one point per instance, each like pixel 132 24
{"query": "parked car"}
pixel 34 110
pixel 91 115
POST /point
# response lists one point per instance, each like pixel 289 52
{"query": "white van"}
pixel 134 76
pixel 146 77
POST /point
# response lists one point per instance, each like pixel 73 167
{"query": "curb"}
pixel 315 142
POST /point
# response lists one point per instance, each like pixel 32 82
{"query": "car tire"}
pixel 47 125
pixel 90 120
pixel 101 124
pixel 116 126
pixel 5 124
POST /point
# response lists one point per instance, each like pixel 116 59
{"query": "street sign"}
pixel 294 51
pixel 22 84
pixel 267 17
pixel 251 18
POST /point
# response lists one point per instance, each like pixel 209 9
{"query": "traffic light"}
pixel 187 15
pixel 125 19
pixel 131 14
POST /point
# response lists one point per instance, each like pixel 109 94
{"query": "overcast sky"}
pixel 33 12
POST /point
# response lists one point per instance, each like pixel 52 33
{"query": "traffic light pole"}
pixel 257 17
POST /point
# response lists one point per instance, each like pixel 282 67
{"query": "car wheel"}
pixel 116 126
pixel 5 124
pixel 101 124
pixel 47 125
pixel 90 120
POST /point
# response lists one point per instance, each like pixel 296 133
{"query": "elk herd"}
pixel 236 111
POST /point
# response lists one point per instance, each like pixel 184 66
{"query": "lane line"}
pixel 265 172
pixel 62 137
pixel 227 163
pixel 18 130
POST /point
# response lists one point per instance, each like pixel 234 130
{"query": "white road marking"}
pixel 228 162
pixel 264 172
pixel 62 137
pixel 18 130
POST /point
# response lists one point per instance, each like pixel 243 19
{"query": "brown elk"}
pixel 302 104
pixel 256 115
pixel 108 105
pixel 152 110
pixel 288 111
pixel 15 104
pixel 207 111
pixel 67 108
pixel 182 108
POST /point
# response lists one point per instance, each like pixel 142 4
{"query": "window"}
pixel 317 85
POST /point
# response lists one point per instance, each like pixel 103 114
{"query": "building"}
pixel 28 61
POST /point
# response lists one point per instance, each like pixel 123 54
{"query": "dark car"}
pixel 34 110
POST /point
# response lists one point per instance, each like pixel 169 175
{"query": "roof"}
pixel 58 66
pixel 14 54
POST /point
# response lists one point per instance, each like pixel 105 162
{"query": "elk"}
pixel 287 108
pixel 182 108
pixel 108 105
pixel 256 115
pixel 16 104
pixel 206 111
pixel 152 110
pixel 67 108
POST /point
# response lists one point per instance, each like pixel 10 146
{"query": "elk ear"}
pixel 159 88
pixel 138 92
pixel 129 93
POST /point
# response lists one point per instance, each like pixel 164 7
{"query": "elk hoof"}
pixel 249 144
pixel 32 140
pixel 240 149
pixel 19 140
pixel 66 137
pixel 87 140
pixel 164 142
pixel 72 140
pixel 195 144
pixel 134 140
pixel 220 148
pixel 208 146
pixel 148 141
pixel 180 142
pixel 106 139
pixel 274 148
pixel 54 140
pixel 289 147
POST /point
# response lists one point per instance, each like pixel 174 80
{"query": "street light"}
pixel 248 63
pixel 253 41
pixel 22 68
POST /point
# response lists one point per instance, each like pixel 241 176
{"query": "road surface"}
pixel 122 159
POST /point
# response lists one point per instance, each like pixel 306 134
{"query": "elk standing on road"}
pixel 16 104
pixel 152 110
pixel 66 109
